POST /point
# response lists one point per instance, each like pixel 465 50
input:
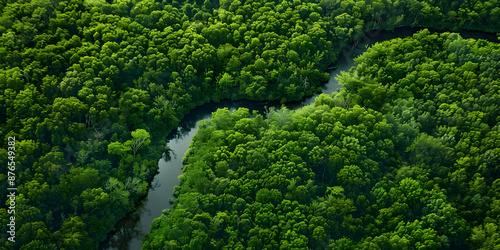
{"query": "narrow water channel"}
pixel 131 229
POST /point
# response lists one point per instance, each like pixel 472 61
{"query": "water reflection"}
pixel 167 155
pixel 127 229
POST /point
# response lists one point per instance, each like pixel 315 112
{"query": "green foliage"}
pixel 91 89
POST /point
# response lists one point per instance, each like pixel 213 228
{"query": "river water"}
pixel 132 228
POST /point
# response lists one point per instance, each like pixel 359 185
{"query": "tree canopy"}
pixel 90 89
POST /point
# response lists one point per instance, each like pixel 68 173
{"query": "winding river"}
pixel 132 228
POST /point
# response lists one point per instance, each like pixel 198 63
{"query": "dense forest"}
pixel 405 156
pixel 90 89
